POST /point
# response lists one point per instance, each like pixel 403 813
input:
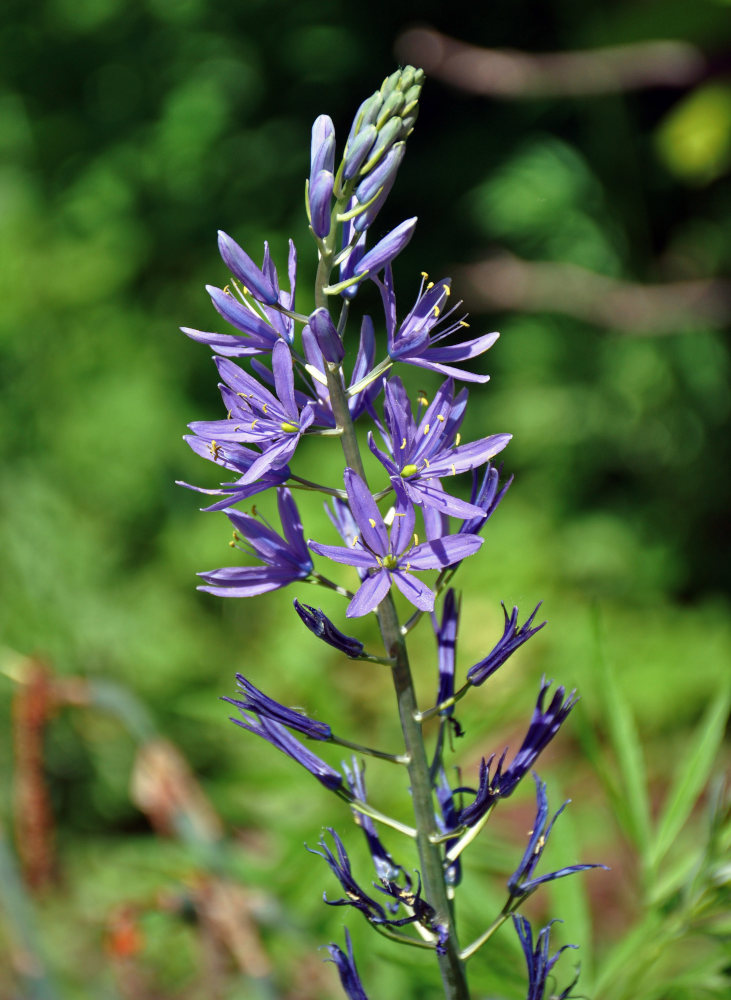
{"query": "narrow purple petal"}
pixel 236 313
pixel 386 249
pixel 366 513
pixel 370 594
pixel 284 379
pixel 243 267
pixel 414 590
pixel 348 557
pixel 442 552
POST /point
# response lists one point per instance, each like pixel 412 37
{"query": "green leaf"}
pixel 626 746
pixel 693 777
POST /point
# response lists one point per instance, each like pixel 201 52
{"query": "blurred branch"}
pixel 509 73
pixel 509 283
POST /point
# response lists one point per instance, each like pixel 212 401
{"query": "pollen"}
pixel 426 429
pixel 424 275
pixel 454 471
pixel 464 323
pixel 436 310
pixel 264 407
pixel 355 541
pixel 371 522
pixel 430 285
pixel 457 439
pixel 403 445
pixel 441 417
pixel 254 423
pixel 416 539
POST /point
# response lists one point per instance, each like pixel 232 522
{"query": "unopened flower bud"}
pixel 386 249
pixel 319 198
pixel 328 338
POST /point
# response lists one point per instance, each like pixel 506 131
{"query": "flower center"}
pixel 390 562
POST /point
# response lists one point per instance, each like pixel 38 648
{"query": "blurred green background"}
pixel 130 132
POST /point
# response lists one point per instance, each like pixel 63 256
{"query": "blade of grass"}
pixel 625 744
pixel 691 779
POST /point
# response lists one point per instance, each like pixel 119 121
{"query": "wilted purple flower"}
pixel 321 626
pixel 513 636
pixel 447 819
pixel 386 867
pixel 259 327
pixel 421 911
pixel 422 454
pixel 539 960
pixel 521 883
pixel 339 863
pixel 392 557
pixel 446 634
pixel 274 422
pixel 543 727
pixel 277 734
pixel 347 969
pixel 234 456
pixel 415 339
pixel 257 703
pixel 285 559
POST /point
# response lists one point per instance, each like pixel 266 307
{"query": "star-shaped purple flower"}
pixel 274 421
pixel 284 559
pixel 422 454
pixel 259 326
pixel 390 558
pixel 413 342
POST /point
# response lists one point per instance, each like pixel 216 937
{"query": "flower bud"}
pixel 322 149
pixel 386 249
pixel 358 150
pixel 328 338
pixel 319 196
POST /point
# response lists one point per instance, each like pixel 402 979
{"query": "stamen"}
pixel 371 522
pixel 430 285
pixel 264 407
pixel 436 310
pixel 441 417
pixel 454 471
pixel 403 445
pixel 215 450
pixel 457 439
pixel 463 322
pixel 426 429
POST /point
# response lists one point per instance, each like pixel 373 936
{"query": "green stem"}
pixel 435 890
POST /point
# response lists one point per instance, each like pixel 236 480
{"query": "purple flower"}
pixel 285 559
pixel 422 454
pixel 521 883
pixel 257 703
pixel 234 456
pixel 276 734
pixel 391 558
pixel 321 626
pixel 539 960
pixel 347 969
pixel 415 339
pixel 260 324
pixel 543 727
pixel 386 867
pixel 274 422
pixel 513 637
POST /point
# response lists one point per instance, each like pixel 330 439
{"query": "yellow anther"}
pixel 416 539
pixel 441 417
pixel 371 522
pixel 426 429
pixel 426 462
pixel 403 445
pixel 254 423
pixel 264 407
pixel 457 439
pixel 408 566
pixel 424 275
pixel 355 541
pixel 463 322
pixel 454 471
pixel 447 290
pixel 422 398
pixel 436 310
pixel 215 450
pixel 430 285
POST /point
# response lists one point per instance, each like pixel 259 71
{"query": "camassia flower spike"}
pixel 391 558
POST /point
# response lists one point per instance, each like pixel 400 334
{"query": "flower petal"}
pixel 370 594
